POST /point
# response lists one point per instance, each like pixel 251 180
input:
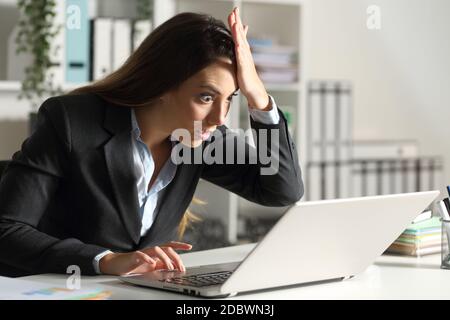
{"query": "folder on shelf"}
pixel 101 48
pixel 329 138
pixel 121 42
pixel 77 41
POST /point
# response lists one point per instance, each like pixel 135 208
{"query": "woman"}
pixel 96 186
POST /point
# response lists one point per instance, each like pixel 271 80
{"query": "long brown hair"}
pixel 172 53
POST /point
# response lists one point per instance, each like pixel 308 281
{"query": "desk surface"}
pixel 390 277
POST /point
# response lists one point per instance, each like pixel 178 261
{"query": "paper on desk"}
pixel 16 289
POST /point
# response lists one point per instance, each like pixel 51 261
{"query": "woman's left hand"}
pixel 249 82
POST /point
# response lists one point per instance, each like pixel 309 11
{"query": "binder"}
pixel 330 114
pixel 329 136
pixel 386 179
pixel 77 41
pixel 141 29
pixel 432 173
pixel 313 181
pixel 56 54
pixel 101 48
pixel 121 42
pixel 359 178
pixel 345 185
pixel 373 178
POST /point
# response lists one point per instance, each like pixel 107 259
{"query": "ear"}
pixel 165 97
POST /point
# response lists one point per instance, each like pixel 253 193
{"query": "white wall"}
pixel 401 73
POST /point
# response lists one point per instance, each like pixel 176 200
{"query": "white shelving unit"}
pixel 11 77
pixel 14 113
pixel 281 19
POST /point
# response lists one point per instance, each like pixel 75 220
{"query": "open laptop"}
pixel 313 241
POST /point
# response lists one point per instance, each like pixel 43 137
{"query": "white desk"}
pixel 390 277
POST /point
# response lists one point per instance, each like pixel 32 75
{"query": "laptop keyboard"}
pixel 201 280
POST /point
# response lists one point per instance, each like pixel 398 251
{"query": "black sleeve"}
pixel 26 189
pixel 254 180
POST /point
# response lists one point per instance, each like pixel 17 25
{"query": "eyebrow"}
pixel 214 89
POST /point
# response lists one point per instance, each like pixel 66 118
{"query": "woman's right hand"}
pixel 145 260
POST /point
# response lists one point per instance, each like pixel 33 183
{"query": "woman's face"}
pixel 205 98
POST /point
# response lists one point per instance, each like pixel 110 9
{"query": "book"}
pixel 77 42
pixel 425 226
pixel 419 238
pixel 413 250
pixel 274 62
pixel 423 216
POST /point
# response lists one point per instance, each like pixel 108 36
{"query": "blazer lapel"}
pixel 119 161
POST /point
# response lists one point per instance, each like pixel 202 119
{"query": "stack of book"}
pixel 420 238
pixel 274 63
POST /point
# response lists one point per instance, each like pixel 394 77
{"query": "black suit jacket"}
pixel 70 192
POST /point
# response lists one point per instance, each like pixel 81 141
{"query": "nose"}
pixel 218 114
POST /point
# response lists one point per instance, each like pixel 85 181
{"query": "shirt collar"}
pixel 134 125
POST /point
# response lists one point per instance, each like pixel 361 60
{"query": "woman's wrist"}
pixel 105 262
pixel 260 102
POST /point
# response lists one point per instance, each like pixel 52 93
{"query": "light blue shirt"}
pixel 144 166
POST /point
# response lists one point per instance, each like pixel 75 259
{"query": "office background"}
pixel 393 86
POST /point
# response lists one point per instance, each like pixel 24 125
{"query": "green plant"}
pixel 143 8
pixel 36 31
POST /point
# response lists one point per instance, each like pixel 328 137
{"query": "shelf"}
pixel 283 86
pixel 12 3
pixel 275 2
pixel 12 86
pixel 9 86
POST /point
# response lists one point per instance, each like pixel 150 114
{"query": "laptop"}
pixel 312 242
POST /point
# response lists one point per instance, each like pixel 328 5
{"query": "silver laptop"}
pixel 312 242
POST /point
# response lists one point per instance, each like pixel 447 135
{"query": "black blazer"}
pixel 70 192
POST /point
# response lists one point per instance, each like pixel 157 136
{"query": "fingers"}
pixel 238 19
pixel 164 257
pixel 236 27
pixel 138 261
pixel 239 22
pixel 142 257
pixel 178 245
pixel 231 20
pixel 170 248
pixel 175 257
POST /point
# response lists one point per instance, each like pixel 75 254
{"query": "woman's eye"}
pixel 206 98
pixel 230 98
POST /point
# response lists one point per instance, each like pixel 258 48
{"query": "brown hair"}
pixel 172 53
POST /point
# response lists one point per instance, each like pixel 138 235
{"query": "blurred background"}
pixel 365 86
